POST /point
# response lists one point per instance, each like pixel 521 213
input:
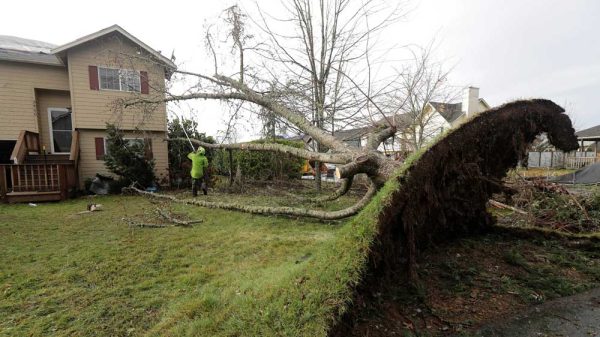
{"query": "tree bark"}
pixel 288 211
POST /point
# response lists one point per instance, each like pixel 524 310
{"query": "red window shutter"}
pixel 93 71
pixel 148 153
pixel 99 148
pixel 144 87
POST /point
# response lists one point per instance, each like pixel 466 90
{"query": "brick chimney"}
pixel 470 102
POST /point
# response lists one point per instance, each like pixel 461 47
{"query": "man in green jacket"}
pixel 199 171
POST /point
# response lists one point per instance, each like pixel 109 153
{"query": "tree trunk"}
pixel 230 155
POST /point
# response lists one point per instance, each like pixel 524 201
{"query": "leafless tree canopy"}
pixel 314 67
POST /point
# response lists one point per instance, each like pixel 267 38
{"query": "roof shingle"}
pixel 590 132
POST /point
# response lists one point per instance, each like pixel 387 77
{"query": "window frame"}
pixel 121 76
pixel 51 128
pixel 126 139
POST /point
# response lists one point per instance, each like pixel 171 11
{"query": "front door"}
pixel 61 128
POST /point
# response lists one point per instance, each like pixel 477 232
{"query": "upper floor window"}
pixel 119 79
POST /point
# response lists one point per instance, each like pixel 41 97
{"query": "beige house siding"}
pixel 17 94
pixel 49 99
pixel 89 165
pixel 93 108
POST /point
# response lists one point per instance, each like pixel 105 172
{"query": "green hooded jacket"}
pixel 199 163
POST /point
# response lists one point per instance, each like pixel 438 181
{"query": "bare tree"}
pixel 309 79
pixel 421 82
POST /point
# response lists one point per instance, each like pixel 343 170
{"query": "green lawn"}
pixel 65 274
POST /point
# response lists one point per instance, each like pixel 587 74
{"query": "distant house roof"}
pixel 18 49
pixel 352 134
pixel 593 132
pixel 450 111
pixel 401 121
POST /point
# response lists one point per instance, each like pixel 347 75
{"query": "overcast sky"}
pixel 509 49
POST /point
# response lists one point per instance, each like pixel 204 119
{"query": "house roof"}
pixel 593 132
pixel 450 111
pixel 18 49
pixel 351 134
pixel 112 29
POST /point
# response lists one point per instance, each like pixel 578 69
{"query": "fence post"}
pixel 3 186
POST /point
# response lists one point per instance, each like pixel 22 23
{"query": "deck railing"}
pixel 27 142
pixel 33 178
pixel 74 152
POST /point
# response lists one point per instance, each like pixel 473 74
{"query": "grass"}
pixel 236 274
pixel 540 172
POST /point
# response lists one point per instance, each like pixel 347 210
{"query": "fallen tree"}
pixel 445 189
pixel 462 169
pixel 442 191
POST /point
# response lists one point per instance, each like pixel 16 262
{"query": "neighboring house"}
pixel 440 117
pixel 55 102
pixel 589 139
pixel 454 114
pixel 543 154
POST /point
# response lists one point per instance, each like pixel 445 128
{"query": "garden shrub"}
pixel 259 165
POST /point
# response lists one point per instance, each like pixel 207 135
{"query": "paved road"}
pixel 575 316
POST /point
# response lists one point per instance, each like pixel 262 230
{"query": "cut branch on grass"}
pixel 268 210
pixel 165 215
pixel 342 190
pixel 133 223
pixel 498 204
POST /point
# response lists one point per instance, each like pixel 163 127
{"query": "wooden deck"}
pixel 36 177
pixel 17 197
pixel 36 182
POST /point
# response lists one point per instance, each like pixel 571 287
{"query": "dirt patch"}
pixel 473 281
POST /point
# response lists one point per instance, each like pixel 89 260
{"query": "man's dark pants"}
pixel 200 182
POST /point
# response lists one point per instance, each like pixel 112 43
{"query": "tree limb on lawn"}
pixel 289 211
pixel 168 217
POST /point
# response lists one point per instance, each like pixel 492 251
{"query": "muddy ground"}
pixel 470 283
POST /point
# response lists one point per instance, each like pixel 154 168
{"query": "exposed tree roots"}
pixel 444 192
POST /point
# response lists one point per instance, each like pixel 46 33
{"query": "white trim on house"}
pixel 51 130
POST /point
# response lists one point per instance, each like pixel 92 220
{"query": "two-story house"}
pixel 55 102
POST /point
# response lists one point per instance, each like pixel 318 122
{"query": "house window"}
pixel 119 79
pixel 129 142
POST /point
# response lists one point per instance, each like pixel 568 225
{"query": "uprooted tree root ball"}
pixel 443 191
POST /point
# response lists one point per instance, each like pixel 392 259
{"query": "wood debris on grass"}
pixel 165 217
pixel 550 205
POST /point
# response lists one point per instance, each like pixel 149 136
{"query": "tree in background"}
pixel 179 165
pixel 128 159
